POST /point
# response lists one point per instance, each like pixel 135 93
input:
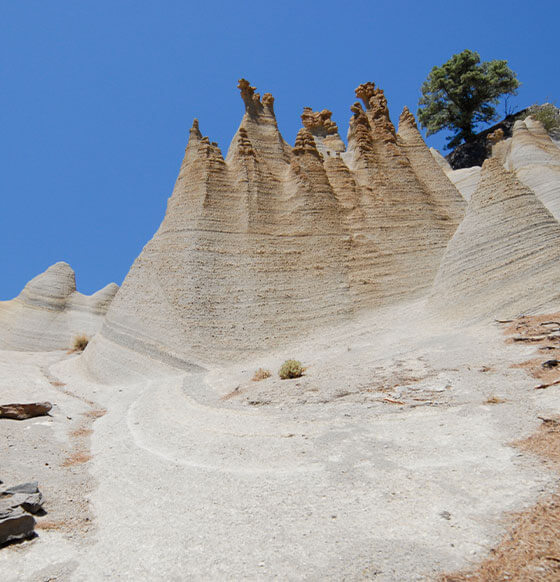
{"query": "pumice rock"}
pixel 49 312
pixel 504 258
pixel 274 241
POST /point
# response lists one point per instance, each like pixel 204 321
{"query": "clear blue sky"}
pixel 97 98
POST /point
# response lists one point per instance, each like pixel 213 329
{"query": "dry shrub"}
pixel 494 400
pixel 291 369
pixel 80 343
pixel 261 374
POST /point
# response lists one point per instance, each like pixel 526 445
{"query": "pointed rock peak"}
pixel 377 110
pixel 319 122
pixel 496 184
pixel 407 118
pixel 373 99
pixel 305 144
pixel 57 282
pixel 253 103
pixel 195 130
pixel 359 132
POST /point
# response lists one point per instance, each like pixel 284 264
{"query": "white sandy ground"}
pixel 310 479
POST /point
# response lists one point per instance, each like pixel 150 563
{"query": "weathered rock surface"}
pixel 16 504
pixel 465 180
pixel 49 312
pixel 273 241
pixel 504 258
pixel 23 411
pixel 535 158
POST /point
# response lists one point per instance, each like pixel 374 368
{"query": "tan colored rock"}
pixel 49 312
pixel 504 258
pixel 273 241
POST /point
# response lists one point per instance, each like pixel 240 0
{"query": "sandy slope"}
pixel 317 478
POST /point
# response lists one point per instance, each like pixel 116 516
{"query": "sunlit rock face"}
pixel 535 159
pixel 504 258
pixel 49 313
pixel 273 241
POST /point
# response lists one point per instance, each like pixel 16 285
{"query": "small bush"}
pixel 80 343
pixel 290 369
pixel 261 374
pixel 548 115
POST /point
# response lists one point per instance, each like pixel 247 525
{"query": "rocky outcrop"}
pixel 535 159
pixel 504 258
pixel 24 411
pixel 49 312
pixel 273 241
pixel 16 505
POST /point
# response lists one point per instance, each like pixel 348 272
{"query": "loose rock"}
pixel 24 411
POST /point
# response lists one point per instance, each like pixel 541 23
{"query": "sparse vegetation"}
pixel 291 369
pixel 80 343
pixel 494 400
pixel 462 93
pixel 261 374
pixel 548 115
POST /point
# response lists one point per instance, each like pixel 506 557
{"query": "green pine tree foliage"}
pixel 462 93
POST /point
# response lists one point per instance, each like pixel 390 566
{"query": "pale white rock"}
pixel 49 312
pixel 504 258
pixel 535 158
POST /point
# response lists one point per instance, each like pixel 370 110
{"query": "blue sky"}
pixel 97 98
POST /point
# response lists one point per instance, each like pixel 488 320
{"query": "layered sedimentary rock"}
pixel 465 180
pixel 49 312
pixel 272 241
pixel 535 158
pixel 504 258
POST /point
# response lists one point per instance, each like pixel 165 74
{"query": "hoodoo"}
pixel 504 258
pixel 535 159
pixel 273 241
pixel 49 312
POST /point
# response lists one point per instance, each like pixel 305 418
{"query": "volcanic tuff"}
pixel 49 312
pixel 504 258
pixel 272 241
pixel 535 158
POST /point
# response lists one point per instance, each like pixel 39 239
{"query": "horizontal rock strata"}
pixel 273 241
pixel 504 258
pixel 49 312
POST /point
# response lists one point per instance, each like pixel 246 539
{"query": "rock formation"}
pixel 49 312
pixel 504 258
pixel 535 158
pixel 465 179
pixel 272 241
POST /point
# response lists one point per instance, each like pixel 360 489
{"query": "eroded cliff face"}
pixel 273 241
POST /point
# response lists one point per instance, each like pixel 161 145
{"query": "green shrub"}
pixel 291 369
pixel 548 115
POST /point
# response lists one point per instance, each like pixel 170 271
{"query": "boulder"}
pixel 15 524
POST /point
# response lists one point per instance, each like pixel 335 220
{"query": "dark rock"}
pixel 15 524
pixel 550 364
pixel 31 487
pixel 23 411
pixel 476 151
